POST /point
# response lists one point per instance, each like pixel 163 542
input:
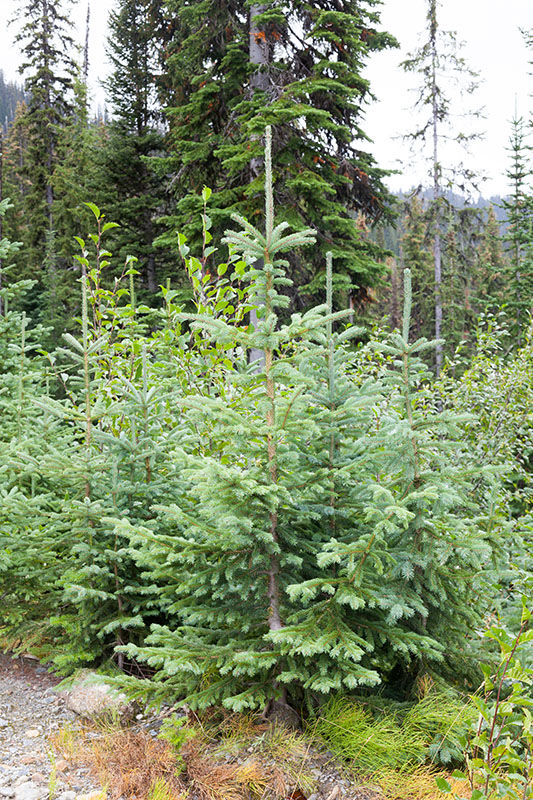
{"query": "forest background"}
pixel 266 426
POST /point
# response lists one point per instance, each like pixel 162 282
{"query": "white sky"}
pixel 493 46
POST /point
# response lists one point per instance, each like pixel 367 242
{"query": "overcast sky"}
pixel 493 46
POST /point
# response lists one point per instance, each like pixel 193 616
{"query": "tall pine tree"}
pixel 48 65
pixel 233 68
pixel 126 187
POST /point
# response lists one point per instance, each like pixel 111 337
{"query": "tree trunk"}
pixel 437 248
pixel 1 217
pixel 85 71
pixel 259 55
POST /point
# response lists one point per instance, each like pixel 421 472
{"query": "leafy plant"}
pixel 499 749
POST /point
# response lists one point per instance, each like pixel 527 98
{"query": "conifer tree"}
pixel 490 289
pixel 234 69
pixel 124 184
pixel 436 61
pixel 519 208
pixel 304 557
pixel 11 94
pixel 49 68
pixel 417 256
pixel 30 552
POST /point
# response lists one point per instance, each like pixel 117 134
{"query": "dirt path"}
pixel 30 711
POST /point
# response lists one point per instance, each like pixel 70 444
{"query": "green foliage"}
pixel 174 730
pixel 234 68
pixel 296 519
pixel 499 748
pixel 374 735
pixel 259 534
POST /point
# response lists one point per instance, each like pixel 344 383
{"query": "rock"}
pixel 3 723
pixel 68 795
pixel 281 713
pixel 33 733
pixel 61 765
pixel 29 791
pixel 90 697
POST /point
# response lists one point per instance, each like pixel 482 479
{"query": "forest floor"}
pixel 31 712
pixel 47 753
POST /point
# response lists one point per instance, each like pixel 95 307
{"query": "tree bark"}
pixel 1 217
pixel 437 248
pixel 259 54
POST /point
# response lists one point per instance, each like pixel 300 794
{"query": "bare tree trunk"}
pixel 85 71
pixel 259 54
pixel 1 217
pixel 437 245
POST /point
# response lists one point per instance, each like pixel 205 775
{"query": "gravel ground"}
pixel 30 710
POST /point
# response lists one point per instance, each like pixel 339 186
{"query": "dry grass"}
pixel 240 759
pixel 419 784
pixel 210 780
pixel 416 784
pixel 249 762
pixel 129 762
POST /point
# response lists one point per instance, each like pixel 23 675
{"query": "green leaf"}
pixel 94 208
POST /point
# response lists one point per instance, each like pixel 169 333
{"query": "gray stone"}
pixel 29 791
pixel 68 795
pixel 91 697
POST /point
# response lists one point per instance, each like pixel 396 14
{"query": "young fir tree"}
pixel 437 62
pixel 31 549
pixel 232 69
pixel 443 556
pixel 305 557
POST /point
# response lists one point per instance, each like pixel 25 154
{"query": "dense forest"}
pixel 265 439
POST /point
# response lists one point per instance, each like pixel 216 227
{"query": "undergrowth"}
pixel 241 757
pixel 374 737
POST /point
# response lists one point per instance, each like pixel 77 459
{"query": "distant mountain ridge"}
pixel 11 94
pixel 460 201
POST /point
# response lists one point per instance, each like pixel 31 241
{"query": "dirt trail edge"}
pixel 31 710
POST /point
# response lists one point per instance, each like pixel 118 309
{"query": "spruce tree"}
pixel 233 69
pixel 124 185
pixel 46 45
pixel 519 208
